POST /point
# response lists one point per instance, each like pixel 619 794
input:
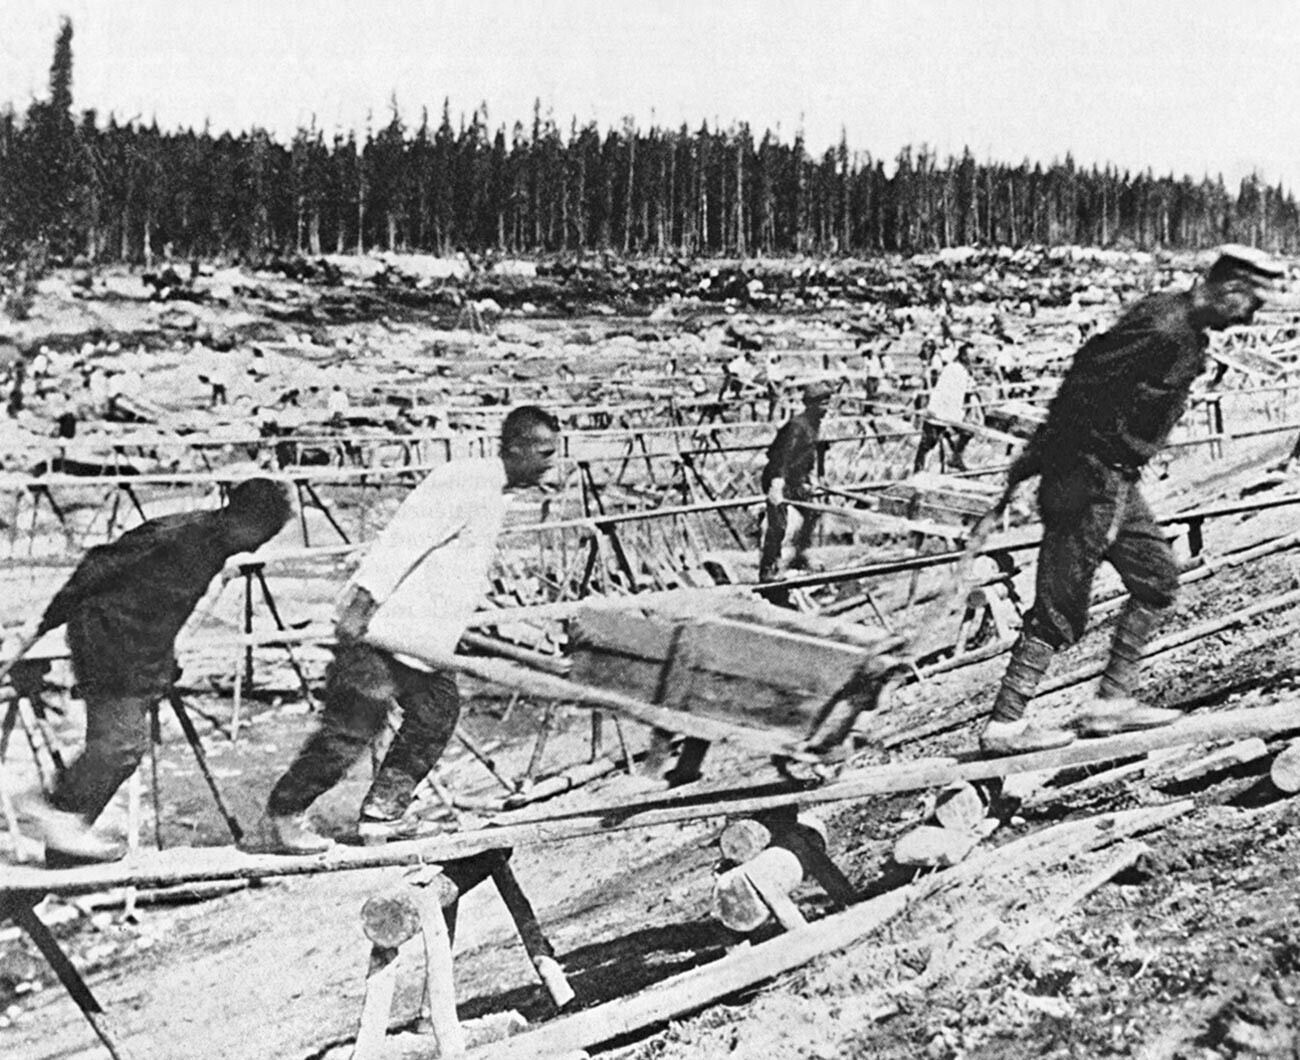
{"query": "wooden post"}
pixel 16 907
pixel 196 745
pixel 805 836
pixel 439 1004
pixel 535 943
pixel 388 921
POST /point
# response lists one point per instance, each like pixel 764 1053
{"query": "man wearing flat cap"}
pixel 1120 398
pixel 787 476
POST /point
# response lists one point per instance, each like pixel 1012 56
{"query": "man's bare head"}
pixel 529 442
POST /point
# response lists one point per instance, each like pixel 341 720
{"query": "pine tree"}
pixel 51 176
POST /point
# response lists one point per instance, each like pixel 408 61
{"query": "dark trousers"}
pixel 1091 513
pixel 117 736
pixel 776 523
pixel 931 435
pixel 361 685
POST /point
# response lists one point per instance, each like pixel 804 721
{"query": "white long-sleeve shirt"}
pixel 428 569
pixel 948 398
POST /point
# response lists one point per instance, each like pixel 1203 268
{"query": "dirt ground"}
pixel 1194 952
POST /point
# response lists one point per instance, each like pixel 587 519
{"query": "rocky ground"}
pixel 1191 952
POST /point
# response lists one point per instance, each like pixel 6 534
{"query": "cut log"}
pixel 932 847
pixel 777 898
pixel 960 808
pixel 1285 771
pixel 388 920
pixel 744 839
pixel 746 897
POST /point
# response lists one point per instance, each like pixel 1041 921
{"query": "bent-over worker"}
pixel 123 606
pixel 1120 398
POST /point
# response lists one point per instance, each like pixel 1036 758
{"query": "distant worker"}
pixel 932 362
pixel 338 404
pixel 123 606
pixel 409 601
pixel 878 368
pixel 953 391
pixel 1120 398
pixel 788 476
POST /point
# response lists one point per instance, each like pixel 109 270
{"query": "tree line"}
pixel 107 191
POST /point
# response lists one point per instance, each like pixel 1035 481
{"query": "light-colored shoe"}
pixel 68 839
pixel 1021 737
pixel 290 834
pixel 372 831
pixel 1106 717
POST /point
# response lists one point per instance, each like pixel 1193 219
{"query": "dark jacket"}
pixel 792 456
pixel 127 600
pixel 1127 387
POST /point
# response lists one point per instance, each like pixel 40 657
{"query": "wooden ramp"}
pixel 691 802
pixel 22 887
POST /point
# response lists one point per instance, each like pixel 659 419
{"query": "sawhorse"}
pixel 426 904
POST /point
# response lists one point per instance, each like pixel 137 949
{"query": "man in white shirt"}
pixel 409 601
pixel 947 403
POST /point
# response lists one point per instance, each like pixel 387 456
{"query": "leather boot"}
pixel 68 837
pixel 289 834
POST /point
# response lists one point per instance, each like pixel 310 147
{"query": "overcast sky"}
pixel 1189 86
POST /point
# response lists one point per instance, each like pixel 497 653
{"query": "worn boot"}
pixel 293 834
pixel 1115 709
pixel 68 837
pixel 290 834
pixel 409 825
pixel 1007 732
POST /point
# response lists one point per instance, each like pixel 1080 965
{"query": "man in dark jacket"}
pixel 787 476
pixel 1120 398
pixel 123 606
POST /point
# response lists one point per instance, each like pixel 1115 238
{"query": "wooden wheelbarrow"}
pixel 770 678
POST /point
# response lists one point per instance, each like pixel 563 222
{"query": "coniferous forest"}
pixel 80 186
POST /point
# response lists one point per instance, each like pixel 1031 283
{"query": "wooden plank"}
pixel 690 803
pixel 744 968
pixel 1254 363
